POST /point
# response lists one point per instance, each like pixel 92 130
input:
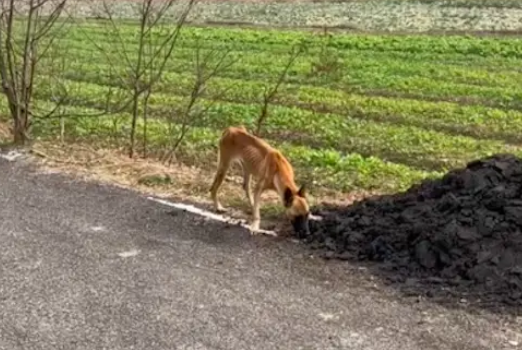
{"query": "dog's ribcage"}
pixel 253 160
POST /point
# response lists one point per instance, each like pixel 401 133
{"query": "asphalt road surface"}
pixel 88 266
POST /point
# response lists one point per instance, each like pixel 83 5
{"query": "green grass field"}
pixel 389 110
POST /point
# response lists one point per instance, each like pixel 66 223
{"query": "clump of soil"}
pixel 464 228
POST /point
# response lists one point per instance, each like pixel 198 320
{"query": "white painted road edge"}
pixel 209 215
pixel 11 155
pixel 218 217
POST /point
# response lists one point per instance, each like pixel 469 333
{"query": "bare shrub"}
pixel 157 39
pixel 28 30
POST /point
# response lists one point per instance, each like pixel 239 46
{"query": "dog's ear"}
pixel 288 197
pixel 302 191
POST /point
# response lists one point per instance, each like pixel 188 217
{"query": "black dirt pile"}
pixel 464 228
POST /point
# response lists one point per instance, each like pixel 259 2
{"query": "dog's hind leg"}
pixel 224 164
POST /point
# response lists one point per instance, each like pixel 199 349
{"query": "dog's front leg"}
pixel 247 176
pixel 256 215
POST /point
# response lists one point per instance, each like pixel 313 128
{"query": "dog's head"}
pixel 297 210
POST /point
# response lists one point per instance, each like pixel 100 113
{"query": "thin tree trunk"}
pixel 145 121
pixel 135 103
pixel 19 132
pixel 138 76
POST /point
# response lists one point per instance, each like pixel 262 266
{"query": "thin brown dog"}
pixel 272 171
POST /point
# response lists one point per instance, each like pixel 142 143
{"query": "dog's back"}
pixel 236 144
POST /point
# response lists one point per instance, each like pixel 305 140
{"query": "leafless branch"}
pixel 169 43
pixel 188 116
pixel 148 67
pixel 269 94
pixel 116 33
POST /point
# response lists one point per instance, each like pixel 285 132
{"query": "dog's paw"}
pixel 254 228
pixel 256 231
pixel 220 210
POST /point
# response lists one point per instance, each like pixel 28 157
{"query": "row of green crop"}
pixel 354 68
pixel 414 146
pixel 360 76
pixel 324 167
pixel 85 37
pixel 92 40
pixel 466 45
pixel 355 65
pixel 473 120
pixel 184 49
